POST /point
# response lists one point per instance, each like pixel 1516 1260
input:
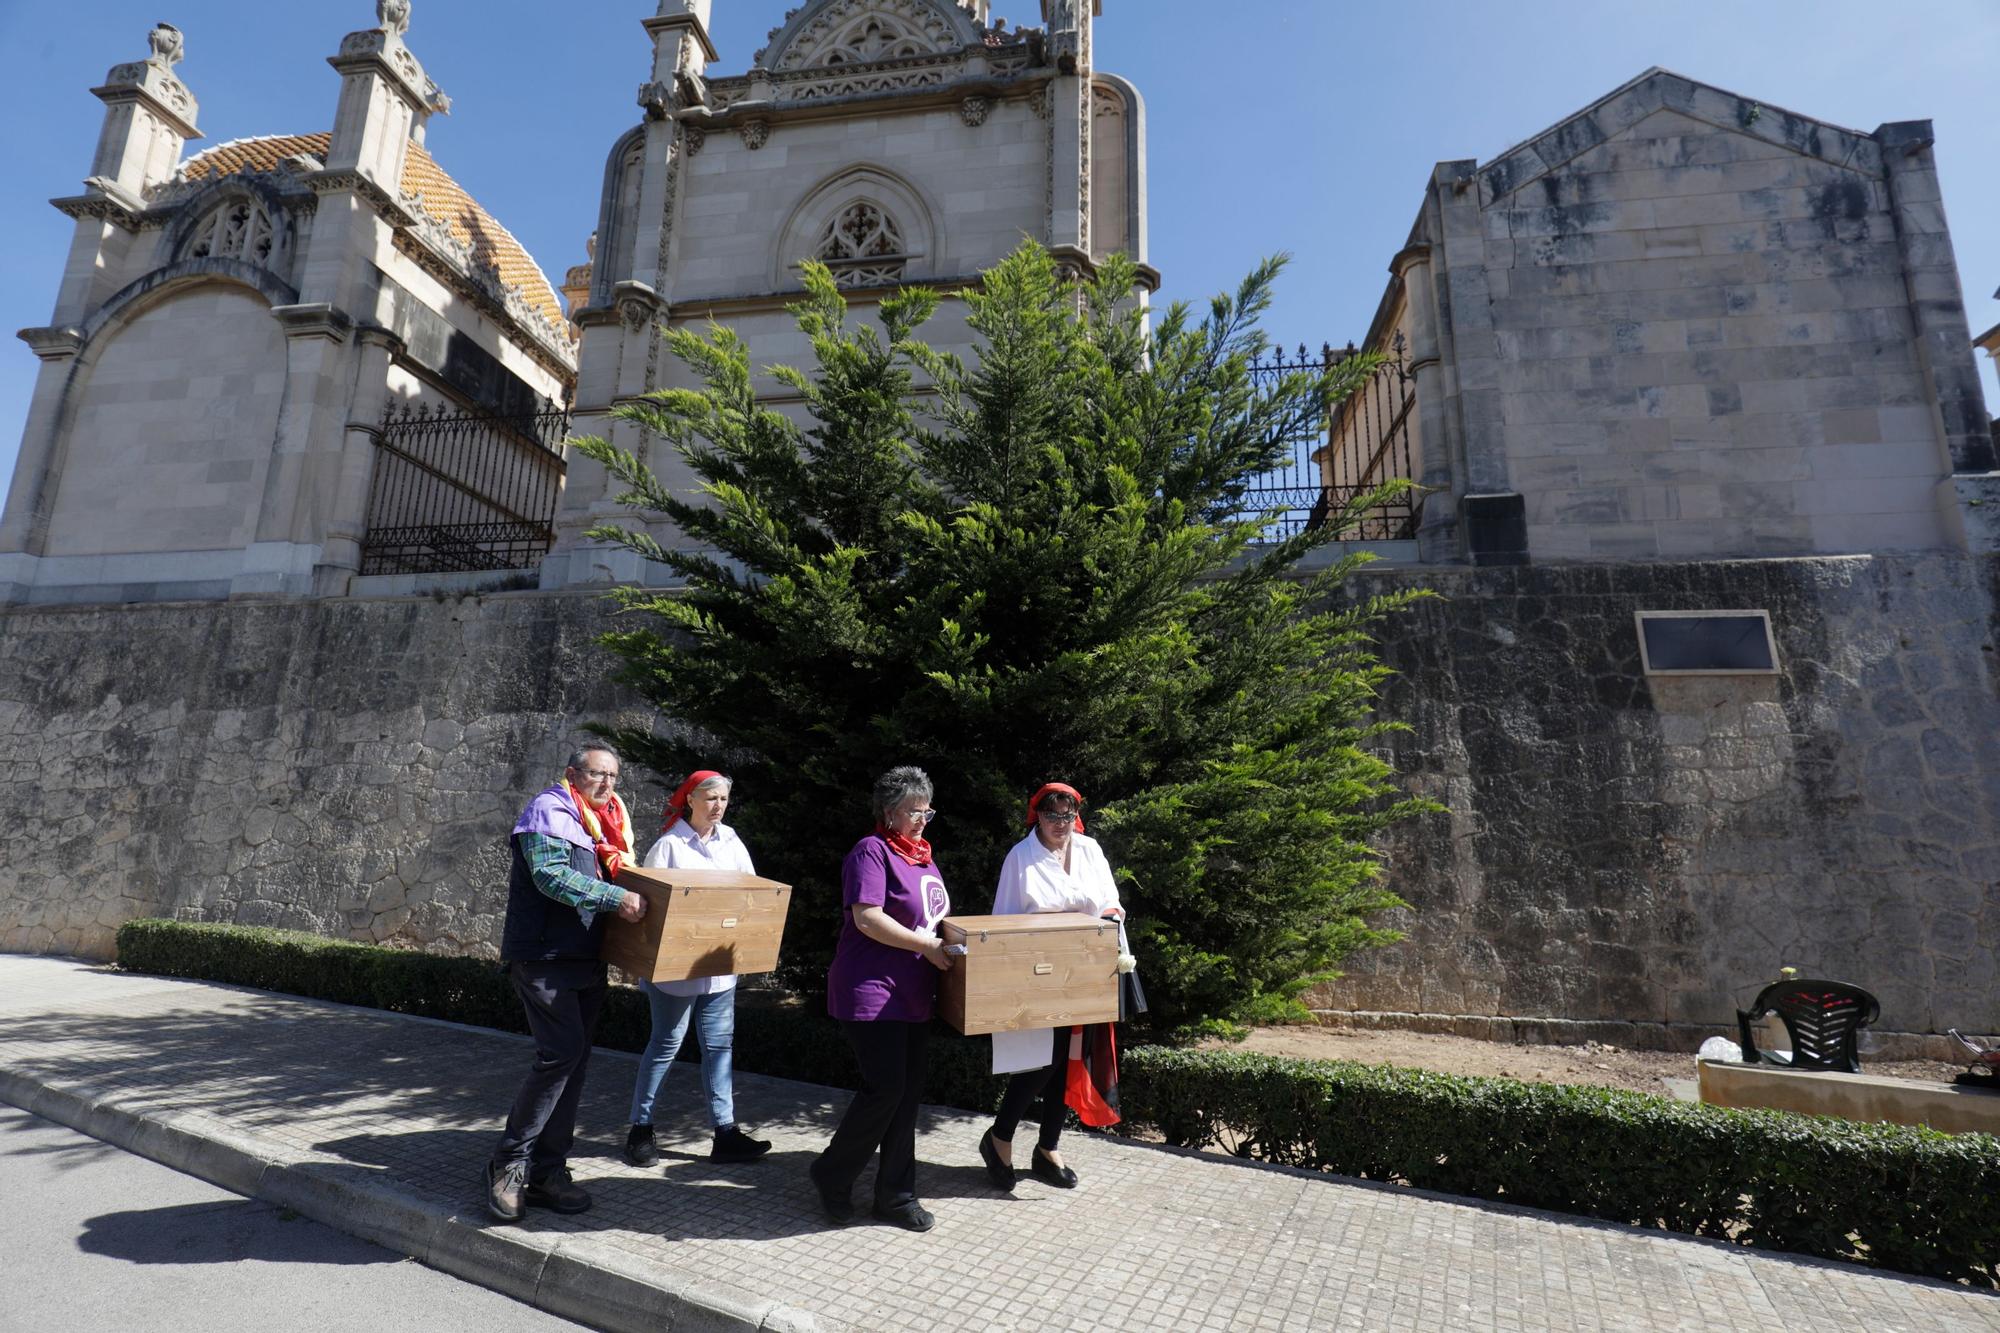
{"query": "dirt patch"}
pixel 1608 1066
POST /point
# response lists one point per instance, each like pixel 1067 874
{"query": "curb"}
pixel 565 1275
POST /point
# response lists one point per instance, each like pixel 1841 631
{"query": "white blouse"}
pixel 1033 879
pixel 681 848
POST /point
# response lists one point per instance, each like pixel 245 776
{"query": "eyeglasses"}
pixel 923 816
pixel 1056 816
pixel 595 775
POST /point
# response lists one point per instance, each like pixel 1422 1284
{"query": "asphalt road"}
pixel 96 1238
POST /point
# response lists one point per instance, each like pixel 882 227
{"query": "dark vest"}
pixel 539 929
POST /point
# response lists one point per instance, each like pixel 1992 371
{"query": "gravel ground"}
pixel 1611 1066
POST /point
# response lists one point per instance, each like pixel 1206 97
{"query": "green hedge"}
pixel 774 1033
pixel 1909 1199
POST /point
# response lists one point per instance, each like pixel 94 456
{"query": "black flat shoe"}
pixel 1042 1169
pixel 999 1172
pixel 910 1217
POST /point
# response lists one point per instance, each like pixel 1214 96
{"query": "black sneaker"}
pixel 733 1145
pixel 557 1193
pixel 640 1150
pixel 505 1186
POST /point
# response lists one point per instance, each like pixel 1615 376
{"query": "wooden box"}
pixel 699 923
pixel 1044 970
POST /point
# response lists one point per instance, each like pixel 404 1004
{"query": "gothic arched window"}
pixel 863 247
pixel 238 228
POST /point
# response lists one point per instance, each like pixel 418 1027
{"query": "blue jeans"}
pixel 715 1029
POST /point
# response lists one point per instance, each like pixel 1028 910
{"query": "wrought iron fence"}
pixel 457 491
pixel 1365 444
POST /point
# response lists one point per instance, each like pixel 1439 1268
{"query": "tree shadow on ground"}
pixel 226 1231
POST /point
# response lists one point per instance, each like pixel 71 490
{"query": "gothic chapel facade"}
pixel 311 365
pixel 903 142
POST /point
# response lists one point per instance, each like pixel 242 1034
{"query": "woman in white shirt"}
pixel 695 838
pixel 1055 868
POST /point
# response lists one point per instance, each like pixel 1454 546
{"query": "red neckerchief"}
pixel 1055 788
pixel 917 851
pixel 608 828
pixel 677 808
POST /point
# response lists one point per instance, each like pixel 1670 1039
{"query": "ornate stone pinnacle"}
pixel 168 47
pixel 393 15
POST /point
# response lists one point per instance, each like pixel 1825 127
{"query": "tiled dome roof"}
pixel 491 244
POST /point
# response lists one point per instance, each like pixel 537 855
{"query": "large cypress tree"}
pixel 1045 567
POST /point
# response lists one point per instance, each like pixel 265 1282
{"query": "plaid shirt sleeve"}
pixel 549 868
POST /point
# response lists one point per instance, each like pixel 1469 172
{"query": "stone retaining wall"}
pixel 1621 857
pixel 345 767
pixel 1644 854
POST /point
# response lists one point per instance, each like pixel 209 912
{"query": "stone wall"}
pixel 345 767
pixel 1622 857
pixel 1632 858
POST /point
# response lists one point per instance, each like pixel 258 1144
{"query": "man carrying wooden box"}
pixel 567 846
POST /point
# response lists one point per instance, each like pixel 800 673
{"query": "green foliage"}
pixel 1914 1200
pixel 1046 569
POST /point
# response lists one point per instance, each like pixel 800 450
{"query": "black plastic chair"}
pixel 1823 1019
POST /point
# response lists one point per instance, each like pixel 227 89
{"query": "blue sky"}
pixel 1306 126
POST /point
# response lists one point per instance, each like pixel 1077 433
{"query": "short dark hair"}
pixel 592 747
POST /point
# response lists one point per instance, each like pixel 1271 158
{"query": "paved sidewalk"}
pixel 378 1124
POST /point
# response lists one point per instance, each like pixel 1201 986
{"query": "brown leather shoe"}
pixel 504 1187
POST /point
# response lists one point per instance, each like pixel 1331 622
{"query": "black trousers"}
pixel 893 1056
pixel 1025 1086
pixel 562 1000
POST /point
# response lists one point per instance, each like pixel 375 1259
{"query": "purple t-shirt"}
pixel 869 980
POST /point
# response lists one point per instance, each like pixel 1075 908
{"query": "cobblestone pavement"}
pixel 1154 1239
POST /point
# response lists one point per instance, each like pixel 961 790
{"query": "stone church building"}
pixel 1687 381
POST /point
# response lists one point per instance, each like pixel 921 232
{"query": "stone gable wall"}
pixel 1706 347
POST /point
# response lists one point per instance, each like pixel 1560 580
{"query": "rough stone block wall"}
pixel 349 768
pixel 1620 857
pixel 1629 853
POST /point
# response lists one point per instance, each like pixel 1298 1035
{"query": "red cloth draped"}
pixel 610 830
pixel 1090 1086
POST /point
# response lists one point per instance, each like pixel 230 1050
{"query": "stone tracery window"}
pixel 870 38
pixel 237 229
pixel 863 246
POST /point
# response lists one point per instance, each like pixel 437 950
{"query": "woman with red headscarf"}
pixel 1055 868
pixel 693 837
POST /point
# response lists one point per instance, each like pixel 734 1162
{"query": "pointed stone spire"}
pixel 149 115
pixel 385 99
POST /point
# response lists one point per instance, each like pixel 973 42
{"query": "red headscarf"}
pixel 1056 789
pixel 679 805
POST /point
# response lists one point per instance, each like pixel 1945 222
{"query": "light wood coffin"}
pixel 699 923
pixel 1044 970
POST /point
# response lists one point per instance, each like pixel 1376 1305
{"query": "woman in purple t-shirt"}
pixel 881 987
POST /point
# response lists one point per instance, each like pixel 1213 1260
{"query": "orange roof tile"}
pixel 492 246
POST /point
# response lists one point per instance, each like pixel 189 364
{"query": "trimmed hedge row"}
pixel 775 1034
pixel 1908 1199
